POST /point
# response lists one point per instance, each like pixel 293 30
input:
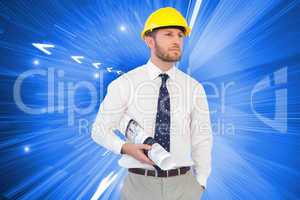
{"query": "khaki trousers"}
pixel 181 187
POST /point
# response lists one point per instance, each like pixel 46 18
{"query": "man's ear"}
pixel 149 41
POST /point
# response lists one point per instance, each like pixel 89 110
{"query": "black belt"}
pixel 167 173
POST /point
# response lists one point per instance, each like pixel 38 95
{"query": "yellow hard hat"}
pixel 164 17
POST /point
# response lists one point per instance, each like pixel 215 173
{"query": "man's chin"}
pixel 173 58
pixel 170 58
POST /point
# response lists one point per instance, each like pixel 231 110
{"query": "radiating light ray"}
pixel 215 38
pixel 103 185
pixel 195 13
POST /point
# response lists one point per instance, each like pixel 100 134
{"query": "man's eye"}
pixel 168 34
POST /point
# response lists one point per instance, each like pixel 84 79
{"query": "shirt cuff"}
pixel 117 146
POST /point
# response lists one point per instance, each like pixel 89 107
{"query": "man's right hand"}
pixel 137 151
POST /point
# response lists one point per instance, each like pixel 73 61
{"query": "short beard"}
pixel 164 56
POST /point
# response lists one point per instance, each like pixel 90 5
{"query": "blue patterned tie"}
pixel 163 121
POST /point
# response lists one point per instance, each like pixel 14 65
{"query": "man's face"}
pixel 168 44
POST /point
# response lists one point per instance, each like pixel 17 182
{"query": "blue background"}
pixel 234 43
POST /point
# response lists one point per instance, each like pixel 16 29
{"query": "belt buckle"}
pixel 155 173
pixel 146 172
pixel 178 171
pixel 167 173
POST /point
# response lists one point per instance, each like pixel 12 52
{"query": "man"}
pixel 171 107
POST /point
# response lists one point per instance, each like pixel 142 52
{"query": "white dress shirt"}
pixel 135 94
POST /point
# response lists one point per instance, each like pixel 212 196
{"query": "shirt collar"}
pixel 154 71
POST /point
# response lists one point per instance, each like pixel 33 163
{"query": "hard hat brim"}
pixel 187 30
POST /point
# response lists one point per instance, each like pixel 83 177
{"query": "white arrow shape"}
pixel 109 69
pixel 43 47
pixel 77 58
pixel 96 65
pixel 119 72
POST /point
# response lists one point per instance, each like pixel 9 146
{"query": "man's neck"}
pixel 164 66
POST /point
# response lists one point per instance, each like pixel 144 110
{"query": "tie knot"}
pixel 164 77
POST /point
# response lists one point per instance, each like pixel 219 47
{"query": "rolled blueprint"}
pixel 136 134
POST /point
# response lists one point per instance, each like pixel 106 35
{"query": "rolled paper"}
pixel 137 135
